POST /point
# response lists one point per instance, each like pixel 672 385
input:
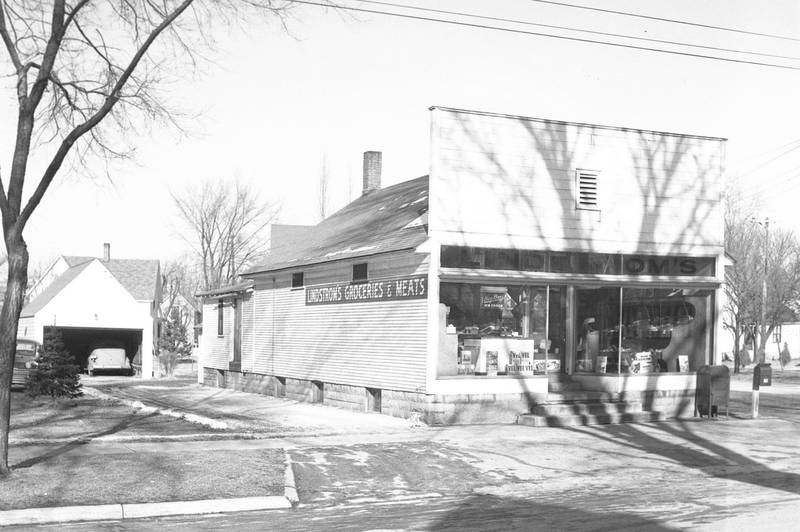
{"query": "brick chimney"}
pixel 372 171
pixel 106 252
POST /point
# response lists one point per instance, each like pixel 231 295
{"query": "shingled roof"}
pixel 138 277
pixel 389 219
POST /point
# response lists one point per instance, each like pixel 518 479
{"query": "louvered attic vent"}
pixel 587 189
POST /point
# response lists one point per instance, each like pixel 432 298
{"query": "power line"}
pixel 673 21
pixel 783 183
pixel 550 35
pixel 581 30
pixel 768 162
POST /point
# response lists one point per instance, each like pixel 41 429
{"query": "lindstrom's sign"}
pixel 384 290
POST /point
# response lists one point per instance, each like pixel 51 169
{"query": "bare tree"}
pixel 741 278
pixel 85 75
pixel 178 286
pixel 226 228
pixel 746 243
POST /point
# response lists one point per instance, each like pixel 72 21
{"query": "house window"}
pixel 220 317
pixel 587 181
pixel 360 272
pixel 297 280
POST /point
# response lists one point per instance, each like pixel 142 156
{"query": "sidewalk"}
pixel 253 413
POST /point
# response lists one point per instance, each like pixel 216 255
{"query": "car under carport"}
pixel 80 341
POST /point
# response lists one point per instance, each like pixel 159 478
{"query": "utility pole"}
pixel 763 329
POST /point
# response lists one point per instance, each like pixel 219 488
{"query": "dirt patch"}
pixel 58 478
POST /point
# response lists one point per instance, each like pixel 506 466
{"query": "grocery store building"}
pixel 539 261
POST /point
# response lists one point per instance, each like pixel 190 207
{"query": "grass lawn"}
pixel 54 462
pixel 64 479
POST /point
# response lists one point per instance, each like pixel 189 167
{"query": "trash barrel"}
pixel 712 391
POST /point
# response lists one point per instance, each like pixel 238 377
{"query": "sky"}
pixel 271 105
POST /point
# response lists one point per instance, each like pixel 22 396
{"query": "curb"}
pixel 123 511
pixel 289 486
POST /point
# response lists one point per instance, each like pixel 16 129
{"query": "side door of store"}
pixel 236 363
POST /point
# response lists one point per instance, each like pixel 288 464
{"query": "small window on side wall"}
pixel 360 272
pixel 297 280
pixel 220 318
pixel 587 186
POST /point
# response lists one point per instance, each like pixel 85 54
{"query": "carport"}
pixel 79 341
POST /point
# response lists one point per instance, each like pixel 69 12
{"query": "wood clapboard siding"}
pixel 217 350
pixel 27 329
pixel 364 344
pixel 515 178
pixel 374 344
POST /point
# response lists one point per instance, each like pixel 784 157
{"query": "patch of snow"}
pixel 350 250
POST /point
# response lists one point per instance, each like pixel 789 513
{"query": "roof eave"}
pixel 317 262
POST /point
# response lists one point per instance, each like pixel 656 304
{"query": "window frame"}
pixel 220 318
pixel 366 272
pixel 302 280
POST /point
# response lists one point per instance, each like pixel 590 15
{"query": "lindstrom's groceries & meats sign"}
pixel 384 290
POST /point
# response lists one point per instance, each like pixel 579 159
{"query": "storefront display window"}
pixel 597 328
pixel 501 329
pixel 663 329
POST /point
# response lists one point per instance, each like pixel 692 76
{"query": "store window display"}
pixel 503 329
pixel 657 329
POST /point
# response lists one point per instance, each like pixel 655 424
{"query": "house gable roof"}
pixel 138 277
pixel 389 219
pixel 53 290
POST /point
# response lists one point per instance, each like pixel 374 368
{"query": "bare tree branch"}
pixel 226 229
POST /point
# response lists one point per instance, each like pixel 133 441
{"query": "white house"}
pixel 97 300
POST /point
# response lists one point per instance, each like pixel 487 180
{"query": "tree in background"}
pixel 741 287
pixel 56 374
pixel 746 243
pixel 86 76
pixel 173 345
pixel 179 283
pixel 226 228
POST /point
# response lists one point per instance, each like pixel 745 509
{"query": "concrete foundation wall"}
pixel 437 409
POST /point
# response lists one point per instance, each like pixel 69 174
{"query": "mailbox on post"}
pixel 712 391
pixel 762 375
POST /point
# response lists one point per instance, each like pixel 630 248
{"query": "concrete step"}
pixel 581 396
pixel 532 420
pixel 561 387
pixel 593 408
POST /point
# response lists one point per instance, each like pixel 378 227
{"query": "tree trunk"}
pixel 737 361
pixel 762 343
pixel 9 320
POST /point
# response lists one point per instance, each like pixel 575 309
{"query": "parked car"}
pixel 27 354
pixel 108 359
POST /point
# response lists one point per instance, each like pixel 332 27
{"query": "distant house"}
pixel 96 301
